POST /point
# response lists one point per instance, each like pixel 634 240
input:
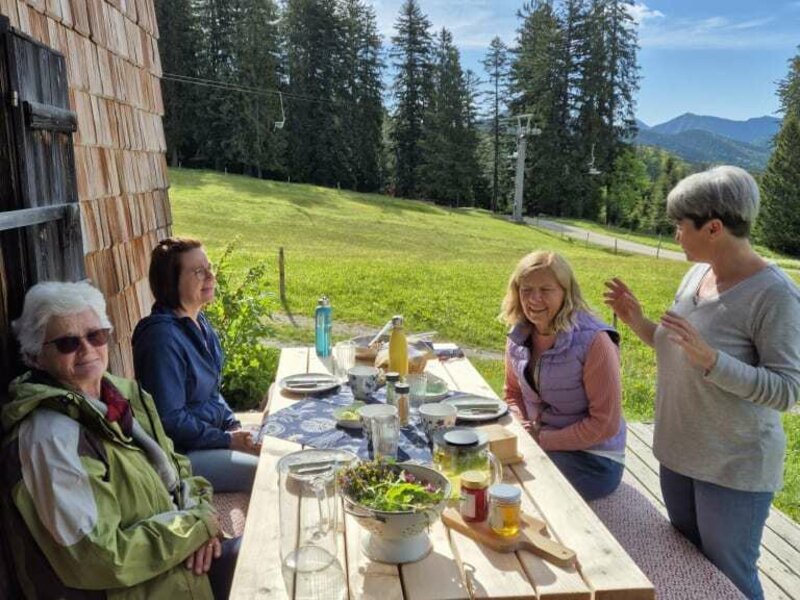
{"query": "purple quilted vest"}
pixel 562 400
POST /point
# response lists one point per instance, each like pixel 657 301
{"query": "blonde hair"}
pixel 511 312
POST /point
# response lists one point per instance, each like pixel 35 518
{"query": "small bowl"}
pixel 347 416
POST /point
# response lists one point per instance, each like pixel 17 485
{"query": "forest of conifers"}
pixel 310 91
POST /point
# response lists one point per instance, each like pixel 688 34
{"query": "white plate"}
pixel 462 404
pixel 309 383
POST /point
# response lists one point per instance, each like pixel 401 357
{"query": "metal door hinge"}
pixel 14 97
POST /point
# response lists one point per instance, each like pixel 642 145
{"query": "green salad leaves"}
pixel 388 487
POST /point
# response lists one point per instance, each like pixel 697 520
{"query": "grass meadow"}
pixel 443 269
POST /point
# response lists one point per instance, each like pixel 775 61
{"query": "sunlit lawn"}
pixel 444 270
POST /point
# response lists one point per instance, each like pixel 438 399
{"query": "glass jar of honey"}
pixel 504 509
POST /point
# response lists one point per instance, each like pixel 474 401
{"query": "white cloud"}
pixel 473 23
pixel 715 32
pixel 641 12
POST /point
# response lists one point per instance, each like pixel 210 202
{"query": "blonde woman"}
pixel 562 377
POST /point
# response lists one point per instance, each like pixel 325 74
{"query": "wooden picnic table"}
pixel 457 567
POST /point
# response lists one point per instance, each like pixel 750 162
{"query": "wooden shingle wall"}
pixel 113 66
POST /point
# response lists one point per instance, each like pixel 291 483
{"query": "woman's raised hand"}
pixel 621 300
pixel 687 337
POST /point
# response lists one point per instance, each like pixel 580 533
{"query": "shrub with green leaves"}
pixel 242 315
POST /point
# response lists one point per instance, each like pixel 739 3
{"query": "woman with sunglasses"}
pixel 178 359
pixel 95 498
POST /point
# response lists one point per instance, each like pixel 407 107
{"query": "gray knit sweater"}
pixel 725 427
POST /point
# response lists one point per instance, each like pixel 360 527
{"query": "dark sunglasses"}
pixel 70 343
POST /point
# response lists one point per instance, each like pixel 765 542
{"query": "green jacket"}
pixel 87 514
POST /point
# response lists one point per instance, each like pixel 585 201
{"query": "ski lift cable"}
pixel 212 83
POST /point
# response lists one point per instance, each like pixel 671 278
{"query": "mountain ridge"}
pixel 715 140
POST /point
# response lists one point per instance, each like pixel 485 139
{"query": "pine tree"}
pixel 362 117
pixel 179 44
pixel 606 87
pixel 538 81
pixel 255 145
pixel 445 142
pixel 412 59
pixel 628 184
pixel 779 224
pixel 316 150
pixel 789 89
pixel 217 108
pixel 496 63
pixel 780 185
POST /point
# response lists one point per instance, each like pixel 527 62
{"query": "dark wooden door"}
pixel 40 235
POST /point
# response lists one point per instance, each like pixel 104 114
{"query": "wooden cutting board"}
pixel 530 537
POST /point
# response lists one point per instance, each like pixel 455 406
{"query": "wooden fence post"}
pixel 615 250
pixel 587 239
pixel 282 275
pixel 658 250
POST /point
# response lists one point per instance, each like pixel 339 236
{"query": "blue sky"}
pixel 711 57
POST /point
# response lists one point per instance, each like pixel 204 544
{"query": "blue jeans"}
pixel 593 476
pixel 227 470
pixel 221 574
pixel 725 524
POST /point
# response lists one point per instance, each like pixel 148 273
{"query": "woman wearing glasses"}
pixel 95 496
pixel 178 359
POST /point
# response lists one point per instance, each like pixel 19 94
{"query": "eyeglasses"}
pixel 70 343
pixel 203 273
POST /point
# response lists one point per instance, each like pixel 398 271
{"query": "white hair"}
pixel 54 299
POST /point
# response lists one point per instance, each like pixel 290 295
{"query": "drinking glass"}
pixel 344 358
pixel 385 434
pixel 417 388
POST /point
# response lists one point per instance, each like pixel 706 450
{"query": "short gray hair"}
pixel 727 193
pixel 54 299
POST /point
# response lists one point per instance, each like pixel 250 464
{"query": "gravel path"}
pixel 608 241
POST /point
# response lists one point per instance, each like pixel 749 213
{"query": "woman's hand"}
pixel 242 441
pixel 621 300
pixel 687 337
pixel 200 560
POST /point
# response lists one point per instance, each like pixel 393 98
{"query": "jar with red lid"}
pixel 474 504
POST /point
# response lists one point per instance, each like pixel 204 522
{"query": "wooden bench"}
pixel 637 517
pixel 232 507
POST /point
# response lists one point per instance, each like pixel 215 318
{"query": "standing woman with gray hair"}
pixel 728 355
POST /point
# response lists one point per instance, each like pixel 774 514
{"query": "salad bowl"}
pixel 398 535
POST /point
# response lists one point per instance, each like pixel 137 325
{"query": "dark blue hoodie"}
pixel 180 364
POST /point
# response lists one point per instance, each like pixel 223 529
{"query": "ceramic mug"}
pixel 436 416
pixel 363 381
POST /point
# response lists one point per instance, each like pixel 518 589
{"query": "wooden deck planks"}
pixel 779 563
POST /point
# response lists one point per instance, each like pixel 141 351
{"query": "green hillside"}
pixel 442 269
